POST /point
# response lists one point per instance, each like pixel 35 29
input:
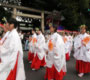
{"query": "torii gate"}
pixel 27 15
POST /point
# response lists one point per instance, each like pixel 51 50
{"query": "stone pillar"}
pixel 14 13
pixel 42 21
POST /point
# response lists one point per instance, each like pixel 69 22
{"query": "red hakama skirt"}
pixel 37 63
pixel 0 60
pixel 82 67
pixel 12 75
pixel 67 57
pixel 52 73
pixel 30 56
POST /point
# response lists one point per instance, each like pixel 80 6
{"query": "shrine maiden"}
pixel 32 42
pixel 82 55
pixel 39 56
pixel 55 58
pixel 11 66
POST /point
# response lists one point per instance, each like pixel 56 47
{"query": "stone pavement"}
pixel 39 75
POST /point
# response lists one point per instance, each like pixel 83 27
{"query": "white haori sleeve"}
pixel 76 51
pixel 20 67
pixel 30 47
pixel 4 37
pixel 83 50
pixel 81 53
pixel 87 54
pixel 9 51
pixel 46 46
pixel 77 47
pixel 66 48
pixel 18 48
pixel 77 43
pixel 70 44
pixel 34 36
pixel 40 46
pixel 49 56
pixel 40 42
pixel 59 54
pixel 66 45
pixel 7 47
pixel 8 57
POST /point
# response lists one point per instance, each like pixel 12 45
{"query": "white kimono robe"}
pixel 31 44
pixel 4 37
pixel 70 43
pixel 83 52
pixel 9 51
pixel 77 45
pixel 39 46
pixel 66 44
pixel 58 60
pixel 30 47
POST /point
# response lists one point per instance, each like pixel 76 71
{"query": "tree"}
pixel 3 14
pixel 14 2
pixel 75 12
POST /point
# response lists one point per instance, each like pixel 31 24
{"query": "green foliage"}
pixel 3 14
pixel 75 12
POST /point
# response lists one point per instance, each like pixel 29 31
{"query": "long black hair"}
pixel 13 21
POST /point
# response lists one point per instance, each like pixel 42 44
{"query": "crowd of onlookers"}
pixel 25 39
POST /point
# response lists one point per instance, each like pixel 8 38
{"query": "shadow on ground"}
pixel 39 75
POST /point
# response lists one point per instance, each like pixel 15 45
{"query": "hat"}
pixel 83 27
pixel 50 25
pixel 53 25
pixel 4 19
pixel 37 29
